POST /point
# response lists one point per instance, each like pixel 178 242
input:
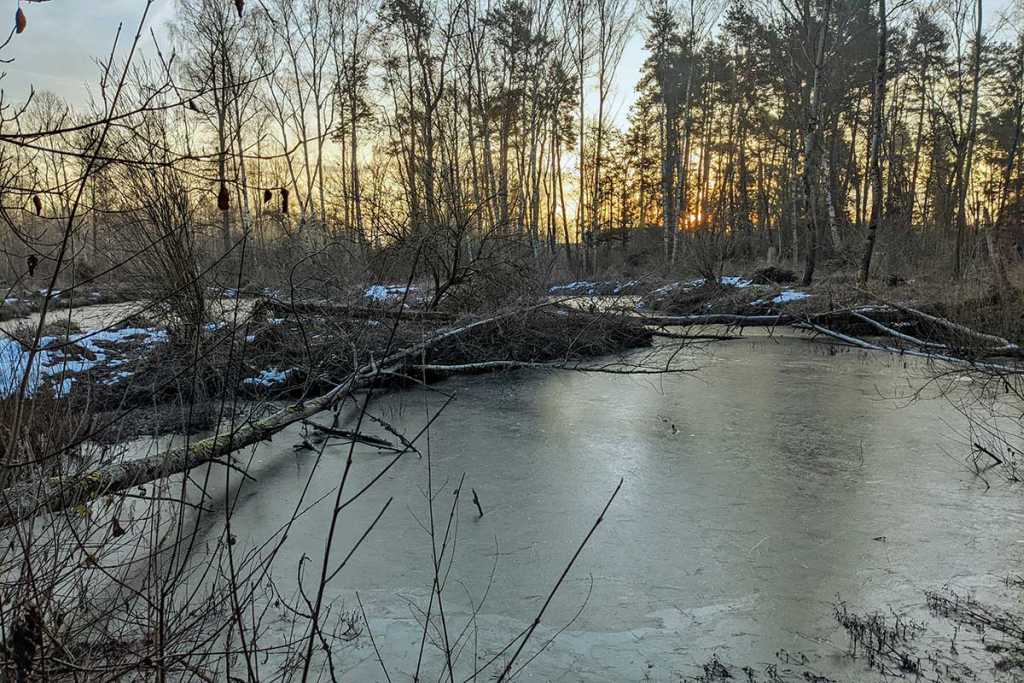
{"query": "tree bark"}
pixel 810 179
pixel 877 133
pixel 972 133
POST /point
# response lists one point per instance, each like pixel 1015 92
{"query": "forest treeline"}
pixel 799 130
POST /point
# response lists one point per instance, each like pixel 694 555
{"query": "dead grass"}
pixel 38 434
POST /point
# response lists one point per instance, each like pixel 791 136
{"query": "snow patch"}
pixel 582 285
pixel 117 377
pixel 736 281
pixel 727 280
pixel 52 361
pixel 388 292
pixel 784 297
pixel 268 377
pixel 585 287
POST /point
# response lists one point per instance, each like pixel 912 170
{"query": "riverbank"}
pixel 262 346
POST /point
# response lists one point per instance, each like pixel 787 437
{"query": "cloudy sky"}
pixel 64 39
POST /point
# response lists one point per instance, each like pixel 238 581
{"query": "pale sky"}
pixel 64 38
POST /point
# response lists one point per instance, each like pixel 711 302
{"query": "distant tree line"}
pixel 797 129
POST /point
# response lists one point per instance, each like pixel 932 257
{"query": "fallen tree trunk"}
pixel 844 317
pixel 54 494
pixel 320 308
pixel 491 366
pixel 884 329
pixel 729 319
pixel 852 341
pixel 1004 347
pixel 351 436
pixel 695 337
pixel 811 323
pixel 927 355
pixel 481 367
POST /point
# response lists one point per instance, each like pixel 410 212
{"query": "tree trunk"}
pixel 877 133
pixel 972 133
pixel 810 179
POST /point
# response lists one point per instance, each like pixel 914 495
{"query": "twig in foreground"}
pixel 551 595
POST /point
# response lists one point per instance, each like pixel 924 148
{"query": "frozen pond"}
pixel 756 491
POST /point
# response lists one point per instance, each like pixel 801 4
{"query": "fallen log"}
pixel 843 317
pixel 852 341
pixel 322 308
pixel 490 366
pixel 54 494
pixel 481 367
pixel 695 337
pixel 897 334
pixel 928 355
pixel 351 436
pixel 1004 347
pixel 729 319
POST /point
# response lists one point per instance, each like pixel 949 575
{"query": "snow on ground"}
pixel 388 292
pixel 573 287
pixel 588 288
pixel 13 362
pixel 268 377
pixel 784 297
pixel 88 340
pixel 119 377
pixel 735 281
pixel 667 289
pixel 52 362
pixel 728 280
pixel 59 362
